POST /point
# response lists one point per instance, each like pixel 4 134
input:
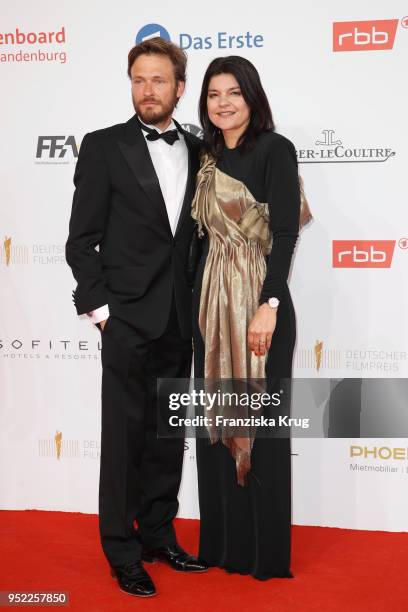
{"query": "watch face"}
pixel 273 302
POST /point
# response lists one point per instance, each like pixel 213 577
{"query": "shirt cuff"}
pixel 100 314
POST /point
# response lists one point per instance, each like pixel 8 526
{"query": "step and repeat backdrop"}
pixel 335 74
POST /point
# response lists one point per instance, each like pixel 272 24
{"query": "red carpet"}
pixel 335 569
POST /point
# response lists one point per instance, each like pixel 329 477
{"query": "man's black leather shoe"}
pixel 176 557
pixel 133 579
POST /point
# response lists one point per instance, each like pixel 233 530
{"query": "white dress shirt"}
pixel 171 165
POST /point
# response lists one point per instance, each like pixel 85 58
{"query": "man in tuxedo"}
pixel 129 236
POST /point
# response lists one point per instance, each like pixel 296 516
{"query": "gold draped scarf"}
pixel 234 273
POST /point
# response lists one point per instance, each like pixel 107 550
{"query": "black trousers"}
pixel 140 473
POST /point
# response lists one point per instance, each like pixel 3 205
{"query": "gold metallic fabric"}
pixel 235 268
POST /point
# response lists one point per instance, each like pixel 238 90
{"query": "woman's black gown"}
pixel 248 529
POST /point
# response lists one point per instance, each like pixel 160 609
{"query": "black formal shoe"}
pixel 176 557
pixel 133 579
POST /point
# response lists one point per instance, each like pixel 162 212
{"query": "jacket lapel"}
pixel 136 153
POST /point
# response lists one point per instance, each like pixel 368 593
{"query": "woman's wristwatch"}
pixel 273 302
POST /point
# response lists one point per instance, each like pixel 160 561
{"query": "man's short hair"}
pixel 160 46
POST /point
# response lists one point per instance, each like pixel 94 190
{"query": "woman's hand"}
pixel 261 329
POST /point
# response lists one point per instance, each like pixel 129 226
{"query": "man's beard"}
pixel 158 113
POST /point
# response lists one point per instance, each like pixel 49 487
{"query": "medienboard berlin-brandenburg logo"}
pixel 17 45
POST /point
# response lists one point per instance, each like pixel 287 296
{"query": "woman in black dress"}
pixel 248 206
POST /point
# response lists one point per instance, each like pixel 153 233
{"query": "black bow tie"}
pixel 170 136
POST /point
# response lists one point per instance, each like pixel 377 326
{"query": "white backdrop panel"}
pixel 50 359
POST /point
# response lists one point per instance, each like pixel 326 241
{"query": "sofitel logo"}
pixel 378 35
pixel 330 150
pixel 59 350
pixel 363 253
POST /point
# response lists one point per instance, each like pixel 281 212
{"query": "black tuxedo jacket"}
pixel 120 246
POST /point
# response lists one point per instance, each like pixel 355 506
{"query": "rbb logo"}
pixel 49 145
pixel 363 253
pixel 364 35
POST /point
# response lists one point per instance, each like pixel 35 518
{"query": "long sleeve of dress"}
pixel 283 197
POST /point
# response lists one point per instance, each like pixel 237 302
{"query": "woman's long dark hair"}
pixel 253 93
